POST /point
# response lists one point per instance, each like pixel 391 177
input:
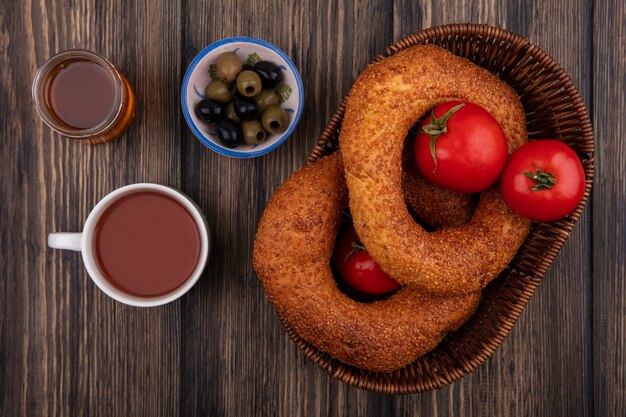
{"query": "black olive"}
pixel 270 74
pixel 246 108
pixel 229 132
pixel 238 95
pixel 209 110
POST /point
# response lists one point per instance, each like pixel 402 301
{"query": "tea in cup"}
pixel 143 244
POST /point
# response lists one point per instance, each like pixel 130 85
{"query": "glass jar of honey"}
pixel 82 96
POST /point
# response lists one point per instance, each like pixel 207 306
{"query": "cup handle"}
pixel 71 241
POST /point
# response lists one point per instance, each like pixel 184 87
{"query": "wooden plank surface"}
pixel 67 349
pixel 251 367
pixel 609 206
pixel 543 366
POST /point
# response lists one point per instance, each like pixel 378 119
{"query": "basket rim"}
pixel 530 279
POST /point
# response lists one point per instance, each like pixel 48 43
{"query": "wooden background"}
pixel 67 349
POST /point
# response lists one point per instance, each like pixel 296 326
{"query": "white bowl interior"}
pixel 200 78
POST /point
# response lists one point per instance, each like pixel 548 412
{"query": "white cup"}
pixel 83 242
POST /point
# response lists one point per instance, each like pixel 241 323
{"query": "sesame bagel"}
pixel 387 99
pixel 292 251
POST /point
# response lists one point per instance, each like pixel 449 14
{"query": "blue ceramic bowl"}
pixel 198 77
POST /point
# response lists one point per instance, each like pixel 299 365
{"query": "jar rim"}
pixel 40 85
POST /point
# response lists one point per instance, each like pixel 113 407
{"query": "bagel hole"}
pixel 408 161
pixel 344 225
pixel 427 227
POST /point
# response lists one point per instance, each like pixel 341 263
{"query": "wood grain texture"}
pixel 609 206
pixel 547 354
pixel 67 349
pixel 240 361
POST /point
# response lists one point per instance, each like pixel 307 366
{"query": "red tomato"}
pixel 358 269
pixel 544 180
pixel 461 147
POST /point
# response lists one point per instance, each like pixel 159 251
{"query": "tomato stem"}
pixel 437 127
pixel 545 180
pixel 357 246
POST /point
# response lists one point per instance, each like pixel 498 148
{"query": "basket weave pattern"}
pixel 554 109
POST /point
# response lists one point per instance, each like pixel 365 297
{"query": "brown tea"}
pixel 147 244
pixel 82 94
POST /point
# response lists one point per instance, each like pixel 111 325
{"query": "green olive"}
pixel 249 83
pixel 274 119
pixel 219 91
pixel 229 112
pixel 228 66
pixel 253 133
pixel 265 99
